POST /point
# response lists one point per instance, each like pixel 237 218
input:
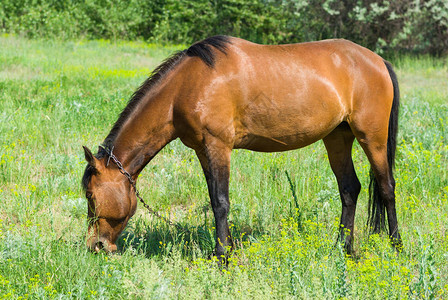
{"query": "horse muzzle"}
pixel 96 245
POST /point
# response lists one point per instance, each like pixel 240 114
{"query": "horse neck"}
pixel 147 130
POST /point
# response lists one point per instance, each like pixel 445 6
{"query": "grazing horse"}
pixel 224 93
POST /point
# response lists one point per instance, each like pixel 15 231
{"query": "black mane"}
pixel 139 94
pixel 202 49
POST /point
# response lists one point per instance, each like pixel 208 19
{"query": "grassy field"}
pixel 57 96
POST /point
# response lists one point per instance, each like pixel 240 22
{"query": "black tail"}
pixel 377 216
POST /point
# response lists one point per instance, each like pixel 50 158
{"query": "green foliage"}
pixel 69 19
pixel 384 26
pixel 285 207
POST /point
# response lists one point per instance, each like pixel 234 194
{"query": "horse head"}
pixel 111 202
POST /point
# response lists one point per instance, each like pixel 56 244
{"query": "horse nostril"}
pixel 99 246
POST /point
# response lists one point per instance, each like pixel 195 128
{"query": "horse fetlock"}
pixel 396 241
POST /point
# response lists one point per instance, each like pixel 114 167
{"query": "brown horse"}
pixel 224 93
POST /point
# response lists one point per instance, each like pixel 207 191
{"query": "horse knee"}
pixel 221 208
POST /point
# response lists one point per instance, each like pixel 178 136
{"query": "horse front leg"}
pixel 215 162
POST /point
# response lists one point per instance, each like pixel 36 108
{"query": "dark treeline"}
pixel 400 26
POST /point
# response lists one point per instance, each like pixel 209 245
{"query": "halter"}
pixel 133 184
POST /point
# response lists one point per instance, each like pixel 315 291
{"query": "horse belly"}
pixel 273 125
pixel 273 144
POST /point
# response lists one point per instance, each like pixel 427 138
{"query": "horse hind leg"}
pixel 339 146
pixel 382 185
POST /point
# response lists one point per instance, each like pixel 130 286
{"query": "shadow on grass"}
pixel 192 241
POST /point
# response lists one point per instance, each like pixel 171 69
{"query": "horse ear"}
pixel 91 160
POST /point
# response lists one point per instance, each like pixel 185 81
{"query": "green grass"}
pixel 57 96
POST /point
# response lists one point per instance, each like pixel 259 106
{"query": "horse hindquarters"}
pixel 376 132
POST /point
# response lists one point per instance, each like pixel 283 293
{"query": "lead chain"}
pixel 137 193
